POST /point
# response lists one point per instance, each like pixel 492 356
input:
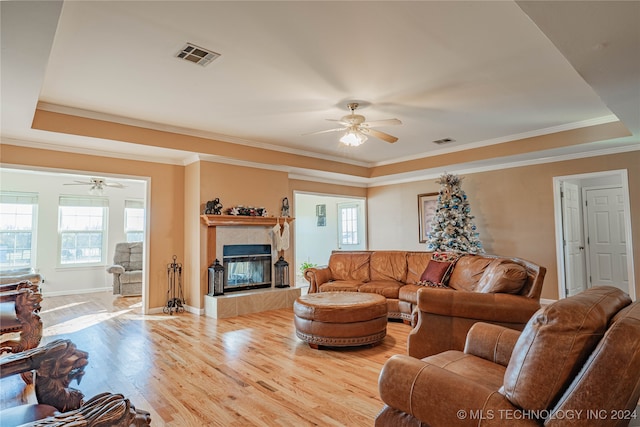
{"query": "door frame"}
pixel 557 208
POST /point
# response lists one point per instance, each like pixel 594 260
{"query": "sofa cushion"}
pixel 468 272
pixel 386 288
pixel 388 265
pixel 135 263
pixel 341 286
pixel 409 293
pixel 131 277
pixel 416 263
pixel 350 266
pixel 502 276
pixel 555 344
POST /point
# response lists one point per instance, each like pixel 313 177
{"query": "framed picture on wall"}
pixel 426 210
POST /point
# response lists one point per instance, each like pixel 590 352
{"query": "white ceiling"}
pixel 480 72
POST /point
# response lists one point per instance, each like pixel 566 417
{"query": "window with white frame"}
pixel 348 225
pixel 82 225
pixel 134 220
pixel 17 229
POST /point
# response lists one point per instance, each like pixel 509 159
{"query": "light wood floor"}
pixel 190 370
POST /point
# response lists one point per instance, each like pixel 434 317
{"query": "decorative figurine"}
pixel 285 207
pixel 214 207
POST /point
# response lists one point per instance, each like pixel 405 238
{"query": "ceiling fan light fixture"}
pixel 96 190
pixel 353 138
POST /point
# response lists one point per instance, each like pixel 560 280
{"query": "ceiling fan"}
pixel 98 185
pixel 357 129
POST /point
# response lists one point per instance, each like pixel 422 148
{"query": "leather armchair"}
pixel 19 308
pixel 576 363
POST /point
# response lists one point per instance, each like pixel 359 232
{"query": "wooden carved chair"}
pixel 19 313
pixel 56 365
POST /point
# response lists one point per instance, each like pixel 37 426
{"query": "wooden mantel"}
pixel 214 221
pixel 243 220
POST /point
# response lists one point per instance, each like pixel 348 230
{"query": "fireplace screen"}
pixel 246 267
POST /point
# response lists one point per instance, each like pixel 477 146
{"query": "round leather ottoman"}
pixel 340 319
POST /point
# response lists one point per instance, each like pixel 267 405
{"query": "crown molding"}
pixel 478 144
pixel 88 114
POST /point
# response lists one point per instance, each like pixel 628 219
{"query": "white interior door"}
pixel 606 237
pixel 572 239
pixel 351 227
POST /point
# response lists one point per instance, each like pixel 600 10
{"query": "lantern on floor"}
pixel 216 279
pixel 282 273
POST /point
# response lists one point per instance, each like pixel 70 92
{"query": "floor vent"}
pixel 197 54
pixel 444 141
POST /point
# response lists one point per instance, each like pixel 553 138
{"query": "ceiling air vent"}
pixel 444 141
pixel 197 54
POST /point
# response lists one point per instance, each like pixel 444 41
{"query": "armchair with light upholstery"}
pixel 576 363
pixel 127 269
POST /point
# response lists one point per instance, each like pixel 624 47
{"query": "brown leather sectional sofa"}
pixel 477 291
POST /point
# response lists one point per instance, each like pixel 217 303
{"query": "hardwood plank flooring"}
pixel 190 370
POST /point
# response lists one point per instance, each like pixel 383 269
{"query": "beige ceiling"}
pixel 482 73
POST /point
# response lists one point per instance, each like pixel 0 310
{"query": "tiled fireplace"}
pixel 227 230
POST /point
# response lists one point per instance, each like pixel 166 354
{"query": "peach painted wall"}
pixel 166 201
pixel 513 210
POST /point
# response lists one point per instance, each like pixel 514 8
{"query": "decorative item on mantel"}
pixel 216 279
pixel 282 273
pixel 246 211
pixel 213 207
pixel 285 207
pixel 175 300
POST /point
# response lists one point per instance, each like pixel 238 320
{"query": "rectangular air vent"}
pixel 444 141
pixel 196 54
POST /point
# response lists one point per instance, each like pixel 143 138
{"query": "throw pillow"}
pixel 437 272
pixel 502 276
pixel 431 284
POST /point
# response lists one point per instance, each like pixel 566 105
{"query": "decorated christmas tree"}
pixel 452 227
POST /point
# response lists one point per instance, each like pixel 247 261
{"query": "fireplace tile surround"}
pixel 235 230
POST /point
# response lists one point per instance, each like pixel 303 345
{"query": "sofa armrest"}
pixel 491 342
pixel 496 308
pixel 115 269
pixel 446 315
pixel 316 276
pixel 419 388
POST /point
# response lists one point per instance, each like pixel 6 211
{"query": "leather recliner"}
pixel 576 363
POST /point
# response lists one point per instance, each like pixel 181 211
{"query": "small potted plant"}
pixel 306 265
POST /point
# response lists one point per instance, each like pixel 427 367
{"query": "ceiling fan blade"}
pixel 79 183
pixel 115 185
pixel 324 131
pixel 380 135
pixel 387 122
pixel 341 121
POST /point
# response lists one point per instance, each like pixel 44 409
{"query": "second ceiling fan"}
pixel 357 129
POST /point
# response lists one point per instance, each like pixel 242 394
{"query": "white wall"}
pixel 315 243
pixel 49 186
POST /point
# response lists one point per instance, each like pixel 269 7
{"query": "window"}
pixel 17 225
pixel 348 225
pixel 134 220
pixel 82 227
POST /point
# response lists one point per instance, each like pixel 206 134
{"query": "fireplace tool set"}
pixel 175 300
